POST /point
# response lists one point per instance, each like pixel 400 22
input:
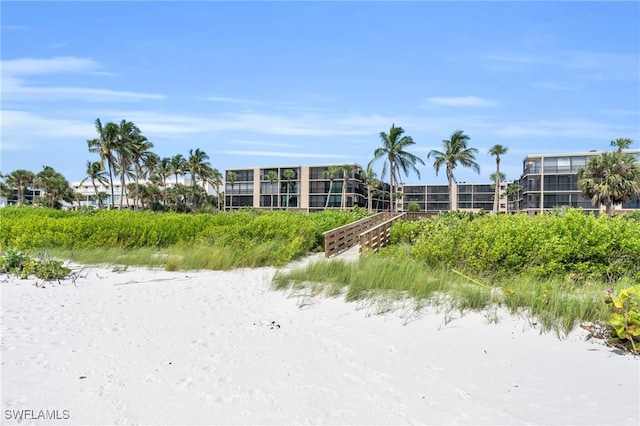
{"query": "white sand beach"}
pixel 153 347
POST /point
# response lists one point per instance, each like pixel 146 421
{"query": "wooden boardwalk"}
pixel 369 233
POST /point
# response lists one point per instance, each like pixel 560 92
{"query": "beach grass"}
pixel 554 303
pixel 183 257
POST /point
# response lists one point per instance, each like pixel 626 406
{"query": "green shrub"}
pixel 19 263
pixel 258 237
pixel 624 322
pixel 572 244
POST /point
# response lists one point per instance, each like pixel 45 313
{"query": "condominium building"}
pixel 464 196
pixel 550 181
pixel 298 187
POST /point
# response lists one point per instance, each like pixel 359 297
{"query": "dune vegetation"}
pixel 243 238
pixel 561 268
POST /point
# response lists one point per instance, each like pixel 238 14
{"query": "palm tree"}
pixel 178 165
pixel 142 159
pixel 164 170
pixel 610 178
pixel 126 137
pixel 621 143
pixel 396 158
pixel 454 151
pixel 497 151
pixel 346 169
pixel 288 174
pixel 271 176
pixel 55 187
pixel 513 189
pixel 331 173
pixel 198 166
pixel 231 179
pixel 105 145
pixel 102 196
pixel 215 180
pixel 5 191
pixel 371 182
pixel 95 171
pixel 21 180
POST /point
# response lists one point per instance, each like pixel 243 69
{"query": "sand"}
pixel 147 346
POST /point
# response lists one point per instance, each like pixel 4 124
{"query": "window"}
pixel 296 173
pixel 414 190
pixel 239 188
pixel 264 172
pixel 564 164
pixel 293 187
pixel 531 166
pixel 484 188
pixel 268 188
pixel 413 198
pixel 633 203
pixel 550 165
pixel 291 202
pixel 438 197
pixel 243 175
pixel 438 189
pixel 577 163
pixel 265 201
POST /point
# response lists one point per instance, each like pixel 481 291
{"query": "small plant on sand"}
pixel 51 270
pixel 14 261
pixel 19 263
pixel 624 322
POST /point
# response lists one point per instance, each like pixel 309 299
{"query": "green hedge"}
pixel 582 246
pixel 29 228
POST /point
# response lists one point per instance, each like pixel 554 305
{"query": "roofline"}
pixel 576 154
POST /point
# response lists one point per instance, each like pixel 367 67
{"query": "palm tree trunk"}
pixel 392 200
pixel 326 206
pixel 496 205
pixel 113 196
pixel 95 190
pixel 122 189
pixel 287 200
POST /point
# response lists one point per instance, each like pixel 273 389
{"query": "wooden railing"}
pixel 378 236
pixel 343 238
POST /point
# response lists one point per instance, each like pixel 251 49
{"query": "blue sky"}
pixel 286 83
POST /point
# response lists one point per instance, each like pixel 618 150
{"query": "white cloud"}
pixel 238 101
pixel 60 64
pixel 19 127
pixel 15 88
pixel 174 125
pixel 282 154
pixel 594 65
pixel 561 128
pixel 461 101
pixel 557 86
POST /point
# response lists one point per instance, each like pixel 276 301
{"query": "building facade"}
pixel 550 181
pixel 464 196
pixel 298 187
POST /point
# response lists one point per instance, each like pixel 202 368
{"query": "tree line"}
pixel 125 154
